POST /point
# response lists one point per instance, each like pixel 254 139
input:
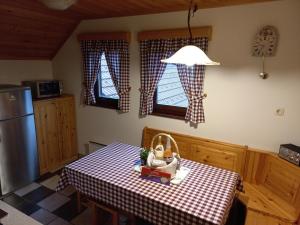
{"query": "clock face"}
pixel 265 42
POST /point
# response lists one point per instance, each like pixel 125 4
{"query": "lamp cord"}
pixel 195 8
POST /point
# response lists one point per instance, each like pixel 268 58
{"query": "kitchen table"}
pixel 204 197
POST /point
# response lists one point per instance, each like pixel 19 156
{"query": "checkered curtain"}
pixel 192 80
pixel 152 69
pixel 152 51
pixel 91 67
pixel 117 57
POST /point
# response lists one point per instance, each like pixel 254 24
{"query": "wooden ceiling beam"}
pixel 121 35
pixel 205 31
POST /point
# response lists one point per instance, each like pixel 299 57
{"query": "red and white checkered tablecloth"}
pixel 204 197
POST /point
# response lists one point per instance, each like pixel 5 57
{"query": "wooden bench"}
pixel 272 185
pixel 99 207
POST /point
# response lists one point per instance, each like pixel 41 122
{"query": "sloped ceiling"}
pixel 29 30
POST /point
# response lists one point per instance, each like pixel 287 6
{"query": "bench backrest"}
pixel 215 153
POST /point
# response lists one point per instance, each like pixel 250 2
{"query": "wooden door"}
pixel 67 128
pixel 46 118
pixel 39 115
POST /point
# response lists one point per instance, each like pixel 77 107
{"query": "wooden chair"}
pixel 98 209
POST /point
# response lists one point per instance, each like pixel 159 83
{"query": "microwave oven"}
pixel 44 88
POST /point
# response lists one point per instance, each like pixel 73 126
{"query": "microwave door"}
pixel 48 89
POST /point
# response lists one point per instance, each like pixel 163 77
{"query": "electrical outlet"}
pixel 280 112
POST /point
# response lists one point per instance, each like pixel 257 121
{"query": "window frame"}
pixel 108 103
pixel 169 111
pixel 175 112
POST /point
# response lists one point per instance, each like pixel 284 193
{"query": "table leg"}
pixel 78 202
pixel 132 220
pixel 115 218
pixel 94 214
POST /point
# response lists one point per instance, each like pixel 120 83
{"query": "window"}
pixel 105 58
pixel 105 91
pixel 170 99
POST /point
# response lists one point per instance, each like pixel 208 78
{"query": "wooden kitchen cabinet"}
pixel 56 132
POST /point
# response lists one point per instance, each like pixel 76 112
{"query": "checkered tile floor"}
pixel 40 201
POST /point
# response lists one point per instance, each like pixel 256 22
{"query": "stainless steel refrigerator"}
pixel 18 147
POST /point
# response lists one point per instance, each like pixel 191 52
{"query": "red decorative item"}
pixel 155 175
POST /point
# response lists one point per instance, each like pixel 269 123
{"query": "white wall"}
pixel 14 71
pixel 240 107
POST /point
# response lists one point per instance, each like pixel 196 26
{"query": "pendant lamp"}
pixel 190 55
pixel 58 4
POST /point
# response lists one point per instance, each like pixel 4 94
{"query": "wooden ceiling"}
pixel 29 30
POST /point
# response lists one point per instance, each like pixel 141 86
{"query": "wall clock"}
pixel 265 42
pixel 265 45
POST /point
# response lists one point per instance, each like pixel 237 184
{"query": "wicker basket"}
pixel 171 167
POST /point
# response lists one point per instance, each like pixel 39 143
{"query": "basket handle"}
pixel 169 136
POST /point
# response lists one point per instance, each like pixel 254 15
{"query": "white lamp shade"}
pixel 58 4
pixel 190 55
